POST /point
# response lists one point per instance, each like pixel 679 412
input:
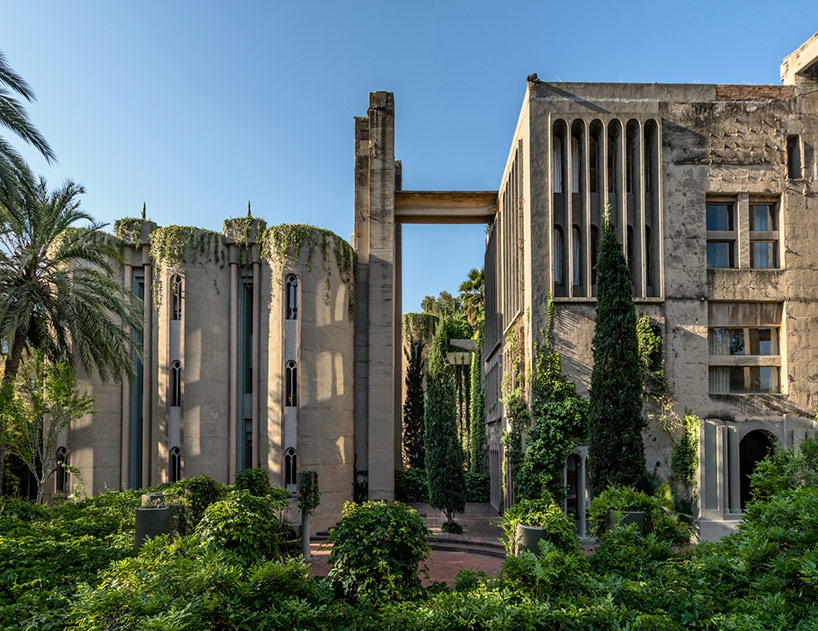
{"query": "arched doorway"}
pixel 752 449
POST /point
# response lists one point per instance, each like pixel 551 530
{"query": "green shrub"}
pixel 253 480
pixel 245 525
pixel 201 491
pixel 786 470
pixel 411 486
pixel 625 551
pixel 660 519
pixel 478 486
pixel 376 550
pixel 543 513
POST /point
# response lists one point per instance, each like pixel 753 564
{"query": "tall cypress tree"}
pixel 616 450
pixel 413 448
pixel 444 456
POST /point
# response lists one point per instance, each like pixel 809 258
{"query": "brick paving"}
pixel 478 548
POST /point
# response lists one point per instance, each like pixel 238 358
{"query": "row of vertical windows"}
pixel 291 381
pixel 615 165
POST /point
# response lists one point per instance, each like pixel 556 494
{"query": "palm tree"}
pixel 472 294
pixel 13 168
pixel 58 287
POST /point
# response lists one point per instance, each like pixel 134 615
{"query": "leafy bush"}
pixel 478 486
pixel 253 480
pixel 377 548
pixel 411 486
pixel 625 551
pixel 201 491
pixel 245 525
pixel 660 519
pixel 786 470
pixel 542 513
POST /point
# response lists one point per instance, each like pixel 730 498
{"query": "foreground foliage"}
pixel 74 567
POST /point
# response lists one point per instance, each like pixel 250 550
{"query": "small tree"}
pixel 444 457
pixel 44 400
pixel 413 448
pixel 615 422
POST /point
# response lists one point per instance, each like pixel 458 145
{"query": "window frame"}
pixel 728 237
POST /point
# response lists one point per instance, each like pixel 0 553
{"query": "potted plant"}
pixel 528 522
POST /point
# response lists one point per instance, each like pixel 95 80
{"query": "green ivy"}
pixel 173 245
pixel 283 245
pixel 129 229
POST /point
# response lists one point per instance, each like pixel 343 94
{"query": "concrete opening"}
pixel 752 450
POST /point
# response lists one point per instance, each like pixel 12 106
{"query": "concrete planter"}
pixel 528 538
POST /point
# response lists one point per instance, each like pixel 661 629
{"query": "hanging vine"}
pixel 129 229
pixel 284 244
pixel 172 245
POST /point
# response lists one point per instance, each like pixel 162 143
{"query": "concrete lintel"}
pixel 445 207
pixel 468 345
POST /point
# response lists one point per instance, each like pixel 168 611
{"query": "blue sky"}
pixel 196 107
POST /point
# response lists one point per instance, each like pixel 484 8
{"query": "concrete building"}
pixel 246 361
pixel 252 356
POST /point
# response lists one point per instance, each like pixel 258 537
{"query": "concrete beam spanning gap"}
pixel 445 207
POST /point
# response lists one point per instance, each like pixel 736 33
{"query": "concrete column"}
pixel 234 363
pixel 733 471
pixel 375 223
pixel 255 358
pixel 147 370
pixel 125 442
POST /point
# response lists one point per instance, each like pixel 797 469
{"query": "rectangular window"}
pixel 764 236
pixel 743 341
pixel 721 235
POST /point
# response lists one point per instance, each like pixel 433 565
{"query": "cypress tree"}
pixel 444 456
pixel 477 416
pixel 616 450
pixel 413 448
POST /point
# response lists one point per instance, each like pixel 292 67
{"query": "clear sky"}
pixel 197 106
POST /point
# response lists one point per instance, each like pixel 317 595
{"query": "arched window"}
pixel 290 468
pixel 559 257
pixel 291 378
pixel 556 164
pixel 176 297
pixel 175 464
pixel 61 482
pixel 176 384
pixel 292 297
pixel 576 250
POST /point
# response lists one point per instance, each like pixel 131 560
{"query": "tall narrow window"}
pixel 175 464
pixel 794 170
pixel 763 236
pixel 593 153
pixel 290 468
pixel 721 235
pixel 594 252
pixel 137 385
pixel 176 384
pixel 61 481
pixel 576 252
pixel 559 257
pixel 576 163
pixel 556 165
pixel 292 297
pixel 291 379
pixel 176 295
